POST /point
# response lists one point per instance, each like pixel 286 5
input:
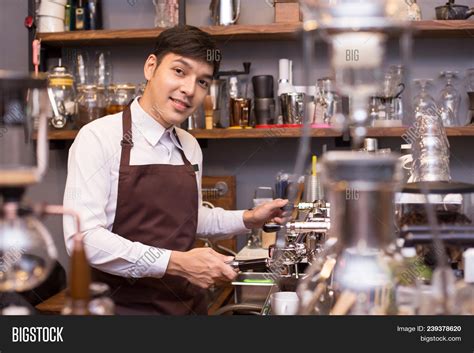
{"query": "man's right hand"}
pixel 202 267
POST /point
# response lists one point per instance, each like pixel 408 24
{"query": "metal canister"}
pixel 292 107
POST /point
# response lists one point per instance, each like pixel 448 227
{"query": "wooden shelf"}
pixel 259 133
pixel 458 28
pixel 62 134
pixel 273 31
pixel 281 133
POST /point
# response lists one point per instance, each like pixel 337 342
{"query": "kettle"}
pixel 452 11
pixel 224 12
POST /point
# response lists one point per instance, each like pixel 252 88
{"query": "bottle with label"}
pixel 67 19
pixel 80 16
pixel 94 15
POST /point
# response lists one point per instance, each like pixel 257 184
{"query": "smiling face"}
pixel 176 87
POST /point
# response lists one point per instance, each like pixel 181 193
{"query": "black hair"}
pixel 190 42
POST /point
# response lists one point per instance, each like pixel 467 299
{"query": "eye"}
pixel 179 71
pixel 204 83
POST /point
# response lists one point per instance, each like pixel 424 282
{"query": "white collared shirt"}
pixel 92 185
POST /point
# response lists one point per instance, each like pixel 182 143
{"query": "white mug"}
pixel 284 303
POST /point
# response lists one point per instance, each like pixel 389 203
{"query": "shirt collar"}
pixel 148 127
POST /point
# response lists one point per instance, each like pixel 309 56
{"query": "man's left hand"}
pixel 265 212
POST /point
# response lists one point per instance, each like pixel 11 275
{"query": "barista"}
pixel 135 179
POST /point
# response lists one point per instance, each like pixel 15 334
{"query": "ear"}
pixel 150 66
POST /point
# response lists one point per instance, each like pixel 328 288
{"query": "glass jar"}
pixel 91 104
pixel 120 96
pixel 63 100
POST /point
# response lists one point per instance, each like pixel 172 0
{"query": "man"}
pixel 135 179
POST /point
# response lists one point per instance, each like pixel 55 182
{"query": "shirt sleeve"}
pixel 216 222
pixel 87 191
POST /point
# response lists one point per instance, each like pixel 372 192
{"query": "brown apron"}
pixel 157 205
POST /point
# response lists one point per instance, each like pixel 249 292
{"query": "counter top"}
pixel 54 305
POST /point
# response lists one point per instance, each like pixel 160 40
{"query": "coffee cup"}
pixel 284 303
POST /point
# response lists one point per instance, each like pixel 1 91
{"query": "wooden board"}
pixel 227 202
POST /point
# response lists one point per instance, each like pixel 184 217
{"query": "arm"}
pixel 219 222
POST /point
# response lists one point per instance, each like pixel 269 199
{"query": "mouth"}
pixel 179 104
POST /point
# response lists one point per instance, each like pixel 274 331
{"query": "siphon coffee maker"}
pixel 360 187
pixel 26 246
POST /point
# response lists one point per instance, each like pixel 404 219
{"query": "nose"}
pixel 188 86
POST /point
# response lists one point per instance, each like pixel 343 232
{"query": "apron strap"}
pixel 127 140
pixel 183 156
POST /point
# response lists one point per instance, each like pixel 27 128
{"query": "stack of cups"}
pixel 264 100
pixel 51 16
pixel 431 149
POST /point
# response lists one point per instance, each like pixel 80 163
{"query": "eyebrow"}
pixel 185 63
